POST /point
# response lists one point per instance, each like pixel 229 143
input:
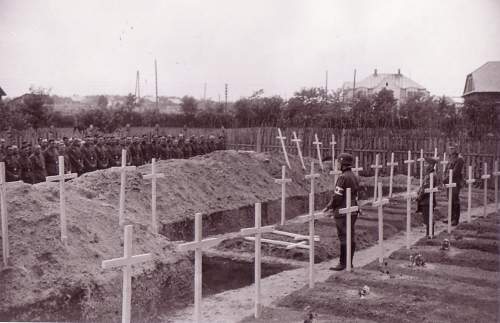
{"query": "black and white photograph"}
pixel 255 161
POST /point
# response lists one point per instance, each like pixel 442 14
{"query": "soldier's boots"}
pixel 343 255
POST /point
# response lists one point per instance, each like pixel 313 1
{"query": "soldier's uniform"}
pixel 423 199
pixel 38 166
pixel 12 166
pixel 338 201
pixel 51 162
pixel 456 164
pixel 75 158
pixel 89 158
pixel 26 167
pixel 102 155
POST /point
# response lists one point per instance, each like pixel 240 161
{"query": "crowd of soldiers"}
pixel 33 163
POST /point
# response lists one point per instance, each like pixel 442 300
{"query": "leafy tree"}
pixel 102 101
pixel 189 107
pixel 37 107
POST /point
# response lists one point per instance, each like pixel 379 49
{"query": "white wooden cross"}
pixel 62 199
pixel 258 230
pixel 3 213
pixel 282 140
pixel 450 187
pixel 379 203
pixel 391 174
pixel 318 143
pixel 198 245
pixel 123 169
pixel 377 166
pixel 335 172
pixel 153 176
pixel 496 174
pixel 333 143
pixel 485 178
pixel 409 195
pixel 312 177
pixel 444 162
pixel 126 263
pixel 436 158
pixel 283 180
pixel 469 182
pixel 348 210
pixel 356 168
pixel 421 161
pixel 431 190
pixel 297 141
pixel 311 217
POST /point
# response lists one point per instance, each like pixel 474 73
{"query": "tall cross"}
pixel 450 187
pixel 335 172
pixel 496 174
pixel 485 178
pixel 421 161
pixel 348 210
pixel 444 162
pixel 312 176
pixel 391 174
pixel 436 158
pixel 153 176
pixel 379 203
pixel 258 230
pixel 333 143
pixel 198 245
pixel 126 263
pixel 282 140
pixel 377 166
pixel 356 168
pixel 431 190
pixel 123 169
pixel 283 180
pixel 3 213
pixel 297 141
pixel 409 195
pixel 469 182
pixel 318 143
pixel 62 199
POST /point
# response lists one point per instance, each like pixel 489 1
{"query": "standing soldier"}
pixel 89 156
pixel 3 150
pixel 51 162
pixel 12 165
pixel 146 149
pixel 346 180
pixel 135 150
pixel 75 157
pixel 38 164
pixel 102 154
pixel 423 199
pixel 456 164
pixel 26 167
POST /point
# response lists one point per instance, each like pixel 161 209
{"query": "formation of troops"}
pixel 33 163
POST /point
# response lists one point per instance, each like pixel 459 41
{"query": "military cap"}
pixel 346 159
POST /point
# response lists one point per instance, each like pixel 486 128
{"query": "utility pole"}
pixel 326 84
pixel 137 87
pixel 225 105
pixel 156 84
pixel 354 85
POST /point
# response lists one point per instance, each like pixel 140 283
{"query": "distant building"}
pixel 402 86
pixel 484 83
pixel 2 93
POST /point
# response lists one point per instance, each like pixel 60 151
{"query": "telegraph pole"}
pixel 326 84
pixel 137 87
pixel 226 98
pixel 156 84
pixel 354 85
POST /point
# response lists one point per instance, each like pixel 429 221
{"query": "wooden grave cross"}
pixel 496 174
pixel 153 176
pixel 297 141
pixel 318 143
pixel 485 178
pixel 356 168
pixel 391 164
pixel 126 263
pixel 258 230
pixel 348 210
pixel 312 177
pixel 62 198
pixel 3 213
pixel 409 195
pixel 333 143
pixel 282 140
pixel 469 182
pixel 421 161
pixel 283 180
pixel 431 190
pixel 123 169
pixel 436 158
pixel 444 162
pixel 450 187
pixel 379 204
pixel 198 245
pixel 377 166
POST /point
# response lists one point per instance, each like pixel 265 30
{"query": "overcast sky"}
pixel 96 47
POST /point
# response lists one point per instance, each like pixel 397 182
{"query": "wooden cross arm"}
pixel 252 231
pixel 206 243
pixel 295 245
pixel 421 159
pixel 9 183
pixel 485 176
pixel 156 175
pixel 60 177
pixel 409 161
pixel 470 181
pixel 450 185
pixel 376 166
pixel 316 175
pixel 356 169
pixel 349 209
pixel 280 137
pixel 120 262
pixel 335 172
pixel 279 243
pixel 392 164
pixel 410 194
pixel 281 180
pixel 296 140
pixel 431 190
pixel 307 217
pixel 380 202
pixel 122 168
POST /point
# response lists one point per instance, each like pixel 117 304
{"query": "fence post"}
pixel 342 141
pixel 259 140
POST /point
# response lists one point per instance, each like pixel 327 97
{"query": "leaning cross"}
pixel 444 162
pixel 379 203
pixel 391 174
pixel 312 177
pixel 297 141
pixel 62 199
pixel 409 195
pixel 318 143
pixel 485 178
pixel 3 211
pixel 333 143
pixel 283 180
pixel 469 182
pixel 421 161
pixel 436 158
pixel 153 176
pixel 123 169
pixel 126 263
pixel 258 230
pixel 282 140
pixel 348 210
pixel 431 190
pixel 450 187
pixel 496 174
pixel 198 245
pixel 377 166
pixel 356 168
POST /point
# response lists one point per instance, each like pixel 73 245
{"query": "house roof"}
pixel 484 79
pixel 2 93
pixel 380 79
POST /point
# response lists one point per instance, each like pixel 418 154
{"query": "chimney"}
pixel 399 71
pixel 375 72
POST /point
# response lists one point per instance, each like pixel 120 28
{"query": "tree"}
pixel 102 102
pixel 189 107
pixel 37 107
pixel 384 106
